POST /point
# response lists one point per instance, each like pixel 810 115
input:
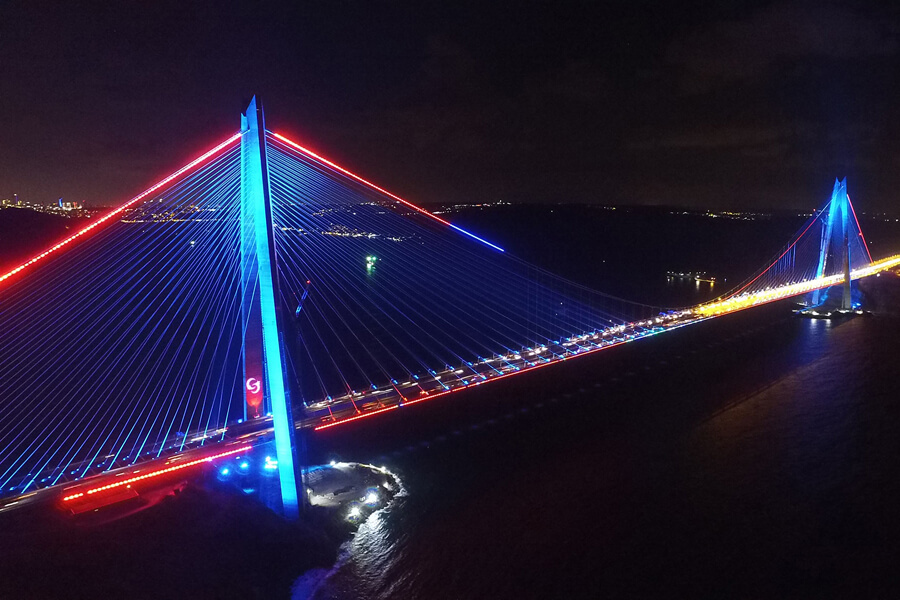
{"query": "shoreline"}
pixel 208 540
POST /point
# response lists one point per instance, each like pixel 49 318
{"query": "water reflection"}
pixel 369 565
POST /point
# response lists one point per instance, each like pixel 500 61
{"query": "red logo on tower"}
pixel 254 392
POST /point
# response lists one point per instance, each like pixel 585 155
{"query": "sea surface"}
pixel 752 456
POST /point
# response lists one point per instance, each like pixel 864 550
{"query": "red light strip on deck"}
pixel 471 385
pixel 357 417
pixel 116 211
pixel 155 473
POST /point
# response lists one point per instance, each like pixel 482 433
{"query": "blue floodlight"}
pixel 255 196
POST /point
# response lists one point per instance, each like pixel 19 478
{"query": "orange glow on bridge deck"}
pixel 740 302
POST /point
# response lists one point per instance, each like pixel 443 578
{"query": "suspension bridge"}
pixel 262 289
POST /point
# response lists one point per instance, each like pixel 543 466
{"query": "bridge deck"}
pixel 329 413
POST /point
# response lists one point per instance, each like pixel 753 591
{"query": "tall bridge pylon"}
pixel 839 212
pixel 265 382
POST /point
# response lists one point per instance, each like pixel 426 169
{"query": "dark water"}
pixel 753 456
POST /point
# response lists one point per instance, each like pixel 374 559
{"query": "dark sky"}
pixel 723 104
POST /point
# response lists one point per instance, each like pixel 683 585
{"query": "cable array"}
pixel 383 295
pixel 128 344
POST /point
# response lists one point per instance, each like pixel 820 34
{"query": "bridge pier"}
pixel 847 300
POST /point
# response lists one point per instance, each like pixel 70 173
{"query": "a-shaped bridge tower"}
pixel 841 227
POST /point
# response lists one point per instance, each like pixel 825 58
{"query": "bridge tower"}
pixel 838 208
pixel 266 387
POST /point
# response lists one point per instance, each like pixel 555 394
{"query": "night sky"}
pixel 705 104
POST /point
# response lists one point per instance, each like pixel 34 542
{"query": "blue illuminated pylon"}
pixel 838 207
pixel 265 376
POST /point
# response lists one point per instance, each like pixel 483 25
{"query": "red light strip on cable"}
pixel 312 154
pixel 155 473
pixel 859 229
pixel 418 209
pixel 118 210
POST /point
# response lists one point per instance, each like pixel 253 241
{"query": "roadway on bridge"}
pixel 103 488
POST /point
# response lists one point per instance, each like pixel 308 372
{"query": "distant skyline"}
pixel 743 105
